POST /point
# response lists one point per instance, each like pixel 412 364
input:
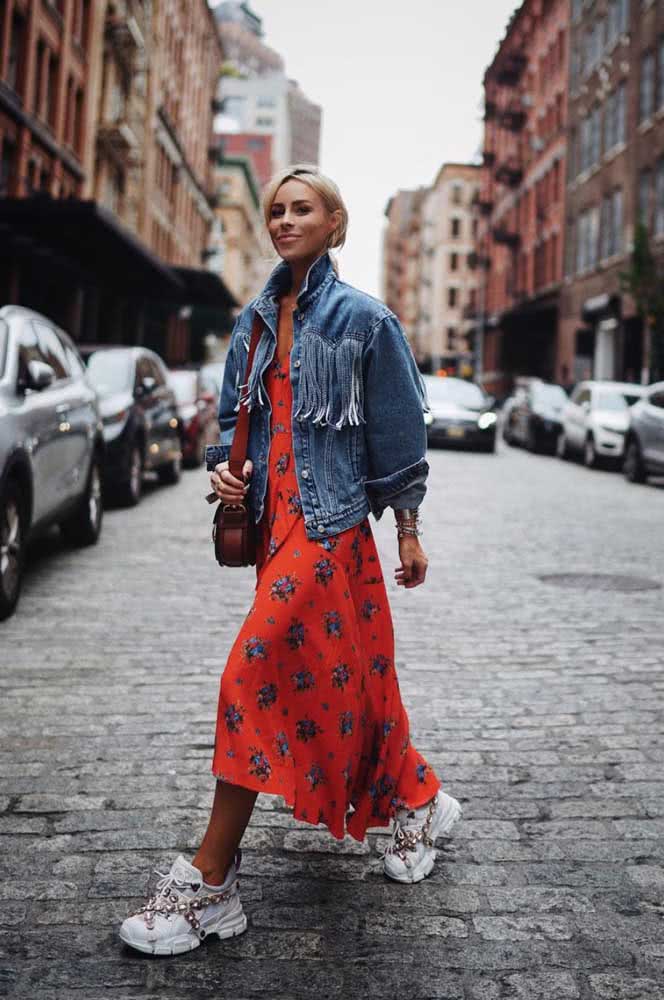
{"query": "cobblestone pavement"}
pixel 539 706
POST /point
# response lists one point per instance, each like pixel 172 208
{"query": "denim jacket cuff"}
pixel 404 488
pixel 214 454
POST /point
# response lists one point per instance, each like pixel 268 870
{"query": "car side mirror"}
pixel 40 376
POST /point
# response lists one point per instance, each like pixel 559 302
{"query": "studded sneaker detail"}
pixel 184 911
pixel 411 852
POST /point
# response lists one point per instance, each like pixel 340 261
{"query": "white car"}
pixel 596 419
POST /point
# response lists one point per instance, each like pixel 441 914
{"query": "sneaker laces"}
pixel 170 900
pixel 407 836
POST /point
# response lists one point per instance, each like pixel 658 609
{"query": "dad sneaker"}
pixel 411 852
pixel 184 911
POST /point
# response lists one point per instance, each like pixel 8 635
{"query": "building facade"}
pixel 402 262
pixel 246 260
pixel 256 96
pixel 522 198
pixel 615 180
pixel 105 133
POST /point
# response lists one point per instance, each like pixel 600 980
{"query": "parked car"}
pixel 51 443
pixel 595 421
pixel 460 414
pixel 534 417
pixel 140 416
pixel 197 409
pixel 644 443
pixel 212 375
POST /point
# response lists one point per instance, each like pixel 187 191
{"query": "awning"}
pixel 600 306
pixel 204 288
pixel 89 237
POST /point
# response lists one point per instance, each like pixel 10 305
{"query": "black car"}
pixel 644 442
pixel 460 414
pixel 534 419
pixel 51 443
pixel 139 411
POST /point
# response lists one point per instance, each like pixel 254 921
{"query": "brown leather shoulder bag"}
pixel 233 527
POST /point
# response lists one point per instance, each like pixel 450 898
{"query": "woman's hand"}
pixel 414 563
pixel 227 487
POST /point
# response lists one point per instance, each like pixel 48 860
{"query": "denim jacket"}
pixel 359 437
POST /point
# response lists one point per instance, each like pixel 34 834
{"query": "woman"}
pixel 309 704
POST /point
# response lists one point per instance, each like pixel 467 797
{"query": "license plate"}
pixel 455 432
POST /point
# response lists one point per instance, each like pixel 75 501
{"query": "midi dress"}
pixel 309 701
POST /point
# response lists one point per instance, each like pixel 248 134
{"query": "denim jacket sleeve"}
pixel 395 432
pixel 227 414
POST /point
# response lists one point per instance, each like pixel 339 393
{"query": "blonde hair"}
pixel 322 185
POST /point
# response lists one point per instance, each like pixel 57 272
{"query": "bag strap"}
pixel 238 452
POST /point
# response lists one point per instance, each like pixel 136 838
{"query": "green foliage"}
pixel 644 281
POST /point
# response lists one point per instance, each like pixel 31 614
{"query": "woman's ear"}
pixel 336 217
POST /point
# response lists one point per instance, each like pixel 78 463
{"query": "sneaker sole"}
pixel 190 942
pixel 448 817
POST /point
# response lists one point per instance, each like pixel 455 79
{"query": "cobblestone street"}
pixel 539 706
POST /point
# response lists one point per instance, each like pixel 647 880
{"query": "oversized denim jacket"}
pixel 359 437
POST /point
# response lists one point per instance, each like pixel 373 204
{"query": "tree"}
pixel 644 281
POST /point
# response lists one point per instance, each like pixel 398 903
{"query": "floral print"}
pixel 321 720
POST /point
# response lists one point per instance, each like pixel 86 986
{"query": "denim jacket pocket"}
pixel 331 390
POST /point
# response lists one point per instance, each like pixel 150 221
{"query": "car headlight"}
pixel 486 420
pixel 428 418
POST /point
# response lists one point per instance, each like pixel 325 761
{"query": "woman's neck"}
pixel 299 270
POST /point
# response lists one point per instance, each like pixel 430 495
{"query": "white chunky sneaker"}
pixel 411 853
pixel 184 911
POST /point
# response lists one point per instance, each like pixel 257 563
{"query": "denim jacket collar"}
pixel 318 276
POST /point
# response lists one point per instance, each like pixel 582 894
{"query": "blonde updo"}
pixel 322 185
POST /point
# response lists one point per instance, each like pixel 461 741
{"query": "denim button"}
pixel 305 473
pixel 300 316
pixel 320 527
pixel 296 364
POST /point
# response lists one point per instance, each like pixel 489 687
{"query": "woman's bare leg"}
pixel 231 811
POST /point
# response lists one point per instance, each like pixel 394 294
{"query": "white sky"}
pixel 400 84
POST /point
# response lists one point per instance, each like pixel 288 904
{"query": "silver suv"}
pixel 644 447
pixel 51 443
pixel 595 421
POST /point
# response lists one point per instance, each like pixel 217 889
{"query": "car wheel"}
pixel 12 548
pixel 562 446
pixel 170 473
pixel 197 456
pixel 129 492
pixel 83 527
pixel 531 439
pixel 590 456
pixel 633 467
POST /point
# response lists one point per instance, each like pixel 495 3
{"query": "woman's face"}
pixel 300 224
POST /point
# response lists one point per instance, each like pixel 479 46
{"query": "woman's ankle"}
pixel 213 872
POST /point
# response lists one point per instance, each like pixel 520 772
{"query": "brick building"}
pixel 521 203
pixel 105 130
pixel 615 178
pixel 255 147
pixel 402 262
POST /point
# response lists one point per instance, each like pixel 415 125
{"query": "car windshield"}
pixel 549 395
pixel 4 337
pixel 110 371
pixel 611 400
pixel 455 390
pixel 185 386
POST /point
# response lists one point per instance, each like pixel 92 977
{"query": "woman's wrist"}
pixel 408 522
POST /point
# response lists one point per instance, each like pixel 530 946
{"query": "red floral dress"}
pixel 309 704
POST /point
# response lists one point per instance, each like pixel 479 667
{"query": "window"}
pixel 616 20
pixel 16 60
pixel 454 261
pixel 645 187
pixel 52 349
pixel 455 228
pixel 452 296
pixel 657 399
pixel 590 141
pixel 586 239
pixel 660 71
pixel 612 224
pixel 576 9
pixel 264 121
pixel 647 87
pixel 52 89
pixel 659 198
pixel 266 102
pixel 614 119
pixel 457 193
pixel 7 165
